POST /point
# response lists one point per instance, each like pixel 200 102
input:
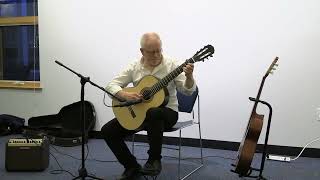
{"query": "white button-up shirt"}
pixel 136 71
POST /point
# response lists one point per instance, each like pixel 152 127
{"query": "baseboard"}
pixel 225 145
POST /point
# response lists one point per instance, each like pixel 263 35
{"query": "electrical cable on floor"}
pixel 93 159
pixel 57 151
pixel 200 157
pixel 65 154
pixel 79 159
pixel 317 139
pixel 61 170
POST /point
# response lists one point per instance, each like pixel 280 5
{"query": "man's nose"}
pixel 157 54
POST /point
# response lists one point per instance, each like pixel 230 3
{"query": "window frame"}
pixel 19 21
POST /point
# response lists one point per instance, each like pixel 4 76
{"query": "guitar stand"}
pixel 265 146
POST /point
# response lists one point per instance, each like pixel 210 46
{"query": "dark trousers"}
pixel 156 122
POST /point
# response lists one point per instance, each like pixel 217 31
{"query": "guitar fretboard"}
pixel 164 81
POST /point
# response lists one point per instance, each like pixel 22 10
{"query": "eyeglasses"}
pixel 159 51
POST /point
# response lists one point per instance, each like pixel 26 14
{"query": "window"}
pixel 19 50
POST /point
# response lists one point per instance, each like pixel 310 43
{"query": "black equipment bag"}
pixel 64 128
pixel 10 124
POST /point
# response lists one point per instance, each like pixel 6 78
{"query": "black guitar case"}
pixel 64 128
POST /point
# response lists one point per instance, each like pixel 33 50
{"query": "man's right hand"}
pixel 129 95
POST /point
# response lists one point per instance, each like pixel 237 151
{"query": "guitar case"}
pixel 64 128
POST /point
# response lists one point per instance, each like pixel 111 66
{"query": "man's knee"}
pixel 154 120
pixel 107 131
pixel 155 114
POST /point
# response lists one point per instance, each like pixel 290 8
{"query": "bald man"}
pixel 159 119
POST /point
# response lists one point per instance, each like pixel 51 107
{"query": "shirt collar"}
pixel 156 69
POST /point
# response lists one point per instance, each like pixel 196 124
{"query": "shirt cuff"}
pixel 113 90
pixel 190 90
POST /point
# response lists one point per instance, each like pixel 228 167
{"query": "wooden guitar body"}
pixel 132 117
pixel 248 146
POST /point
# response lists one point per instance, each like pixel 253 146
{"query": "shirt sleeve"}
pixel 121 80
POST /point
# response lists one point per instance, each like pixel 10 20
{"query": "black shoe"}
pixel 130 173
pixel 152 168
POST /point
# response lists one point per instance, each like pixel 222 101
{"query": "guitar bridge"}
pixel 132 112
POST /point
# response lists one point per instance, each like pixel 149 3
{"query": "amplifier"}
pixel 27 154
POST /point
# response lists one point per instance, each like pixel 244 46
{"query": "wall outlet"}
pixel 318 114
pixel 278 158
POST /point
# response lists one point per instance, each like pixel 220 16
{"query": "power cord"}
pixel 104 101
pixel 61 170
pixel 288 159
pixel 317 139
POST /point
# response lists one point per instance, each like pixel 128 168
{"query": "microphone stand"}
pixel 83 80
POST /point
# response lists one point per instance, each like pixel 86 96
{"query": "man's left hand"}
pixel 188 70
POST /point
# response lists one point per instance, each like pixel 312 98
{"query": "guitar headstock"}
pixel 202 54
pixel 272 67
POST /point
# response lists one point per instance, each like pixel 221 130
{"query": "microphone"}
pixel 128 103
pixel 59 63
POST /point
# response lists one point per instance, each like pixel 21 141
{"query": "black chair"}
pixel 186 105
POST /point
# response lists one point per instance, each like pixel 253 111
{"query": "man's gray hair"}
pixel 145 37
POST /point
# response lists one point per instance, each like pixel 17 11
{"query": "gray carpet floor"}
pixel 100 162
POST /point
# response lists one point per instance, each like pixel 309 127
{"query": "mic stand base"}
pixel 83 174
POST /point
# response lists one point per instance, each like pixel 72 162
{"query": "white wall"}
pixel 99 37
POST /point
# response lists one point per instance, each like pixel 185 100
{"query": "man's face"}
pixel 152 52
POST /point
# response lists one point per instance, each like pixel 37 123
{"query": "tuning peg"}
pixel 276 64
pixel 271 72
pixel 274 68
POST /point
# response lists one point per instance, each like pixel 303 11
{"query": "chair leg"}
pixel 201 153
pixel 179 154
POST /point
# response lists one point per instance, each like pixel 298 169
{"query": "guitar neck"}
pixel 165 81
pixel 259 94
pixel 201 55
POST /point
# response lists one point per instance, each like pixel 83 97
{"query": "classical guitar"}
pixel 250 139
pixel 154 93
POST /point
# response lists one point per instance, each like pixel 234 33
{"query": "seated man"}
pixel 157 119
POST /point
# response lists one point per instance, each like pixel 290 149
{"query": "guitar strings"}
pixel 159 85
